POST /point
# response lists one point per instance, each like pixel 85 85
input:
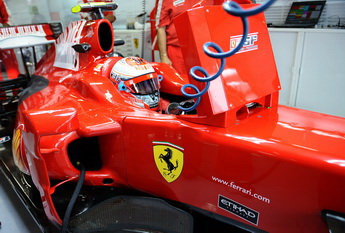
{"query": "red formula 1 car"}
pixel 105 144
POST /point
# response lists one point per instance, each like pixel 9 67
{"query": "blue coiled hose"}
pixel 231 8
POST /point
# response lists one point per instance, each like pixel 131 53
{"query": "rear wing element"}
pixel 29 35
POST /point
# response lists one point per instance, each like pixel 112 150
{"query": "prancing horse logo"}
pixel 169 160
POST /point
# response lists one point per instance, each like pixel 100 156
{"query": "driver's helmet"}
pixel 137 77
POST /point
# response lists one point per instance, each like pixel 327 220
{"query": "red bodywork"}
pixel 271 167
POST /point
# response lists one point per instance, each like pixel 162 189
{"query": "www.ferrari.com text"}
pixel 241 189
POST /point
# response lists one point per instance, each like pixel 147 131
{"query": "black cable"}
pixel 24 62
pixel 73 200
pixel 34 55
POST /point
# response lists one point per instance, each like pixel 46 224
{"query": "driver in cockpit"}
pixel 138 81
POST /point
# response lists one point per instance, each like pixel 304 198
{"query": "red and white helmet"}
pixel 136 76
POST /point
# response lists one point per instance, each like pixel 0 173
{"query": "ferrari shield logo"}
pixel 169 160
pixel 16 149
pixel 136 42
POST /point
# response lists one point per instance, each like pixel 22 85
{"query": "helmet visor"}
pixel 145 87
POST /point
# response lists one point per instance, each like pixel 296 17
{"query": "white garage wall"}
pixel 128 10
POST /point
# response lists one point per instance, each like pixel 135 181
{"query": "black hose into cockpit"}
pixel 73 200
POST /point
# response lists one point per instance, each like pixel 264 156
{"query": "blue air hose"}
pixel 231 8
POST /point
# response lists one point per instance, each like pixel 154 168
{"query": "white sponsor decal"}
pixel 249 45
pixel 241 189
pixel 66 57
pixel 177 2
pixel 238 209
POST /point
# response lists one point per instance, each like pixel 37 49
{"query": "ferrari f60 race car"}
pixel 110 144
